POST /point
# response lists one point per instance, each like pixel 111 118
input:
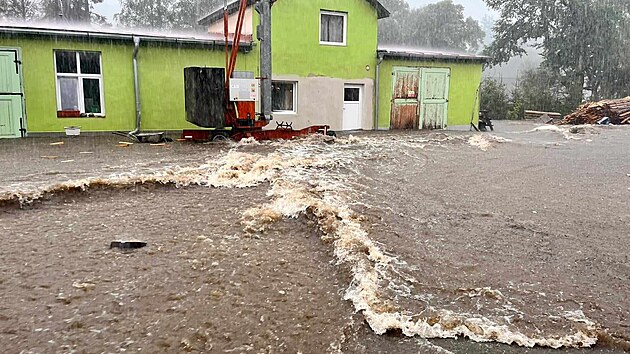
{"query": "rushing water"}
pixel 399 282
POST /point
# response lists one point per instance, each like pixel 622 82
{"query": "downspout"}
pixel 266 69
pixel 136 86
pixel 377 89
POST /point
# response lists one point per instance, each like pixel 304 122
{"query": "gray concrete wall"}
pixel 320 101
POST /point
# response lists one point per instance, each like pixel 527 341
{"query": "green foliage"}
pixel 584 42
pixel 163 14
pixel 69 10
pixel 516 111
pixel 494 98
pixel 543 90
pixel 439 25
pixel 18 9
pixel 537 90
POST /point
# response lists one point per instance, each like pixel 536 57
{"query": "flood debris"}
pixel 604 112
pixel 485 142
pixel 567 132
pixel 85 286
pixel 543 117
pixel 127 245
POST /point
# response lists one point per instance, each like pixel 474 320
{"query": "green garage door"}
pixel 420 98
pixel 10 94
pixel 434 98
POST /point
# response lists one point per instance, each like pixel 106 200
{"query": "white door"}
pixel 352 100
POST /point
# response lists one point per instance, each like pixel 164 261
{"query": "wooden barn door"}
pixel 405 98
pixel 434 98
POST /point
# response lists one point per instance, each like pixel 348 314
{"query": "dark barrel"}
pixel 205 96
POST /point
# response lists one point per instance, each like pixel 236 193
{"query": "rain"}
pixel 426 176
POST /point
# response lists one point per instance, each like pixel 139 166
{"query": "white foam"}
pixel 305 179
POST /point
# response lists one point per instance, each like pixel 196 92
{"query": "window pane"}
pixel 324 28
pixel 351 94
pixel 68 89
pixel 282 98
pixel 332 28
pixel 90 62
pixel 92 95
pixel 66 62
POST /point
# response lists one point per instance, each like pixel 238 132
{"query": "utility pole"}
pixel 263 7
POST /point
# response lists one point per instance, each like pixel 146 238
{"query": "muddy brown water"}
pixel 526 218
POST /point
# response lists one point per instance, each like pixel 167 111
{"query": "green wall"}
pixel 295 37
pixel 463 103
pixel 38 74
pixel 161 69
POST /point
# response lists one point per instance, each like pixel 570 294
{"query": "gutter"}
pixel 377 88
pixel 136 86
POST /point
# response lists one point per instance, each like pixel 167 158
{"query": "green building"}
pixel 328 69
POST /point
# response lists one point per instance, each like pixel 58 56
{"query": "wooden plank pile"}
pixel 617 111
pixel 545 116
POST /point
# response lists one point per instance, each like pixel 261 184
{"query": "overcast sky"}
pixel 474 8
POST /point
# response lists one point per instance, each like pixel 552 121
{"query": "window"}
pixel 333 28
pixel 352 94
pixel 284 97
pixel 79 83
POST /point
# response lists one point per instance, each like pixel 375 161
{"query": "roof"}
pixel 85 31
pixel 410 53
pixel 232 8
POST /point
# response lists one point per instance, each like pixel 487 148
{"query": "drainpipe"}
pixel 136 86
pixel 266 71
pixel 377 89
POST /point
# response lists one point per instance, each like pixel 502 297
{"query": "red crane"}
pixel 240 118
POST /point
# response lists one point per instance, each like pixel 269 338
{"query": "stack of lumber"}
pixel 618 111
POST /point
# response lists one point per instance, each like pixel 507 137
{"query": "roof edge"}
pixel 51 32
pixel 396 54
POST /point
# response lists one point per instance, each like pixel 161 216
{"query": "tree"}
pixel 184 14
pixel 391 30
pixel 543 90
pixel 68 10
pixel 494 98
pixel 144 13
pixel 18 9
pixel 162 14
pixel 582 41
pixel 441 25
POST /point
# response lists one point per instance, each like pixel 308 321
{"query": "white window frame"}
pixel 295 96
pixel 345 28
pixel 80 78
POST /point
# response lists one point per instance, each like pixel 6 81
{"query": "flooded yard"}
pixel 378 242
